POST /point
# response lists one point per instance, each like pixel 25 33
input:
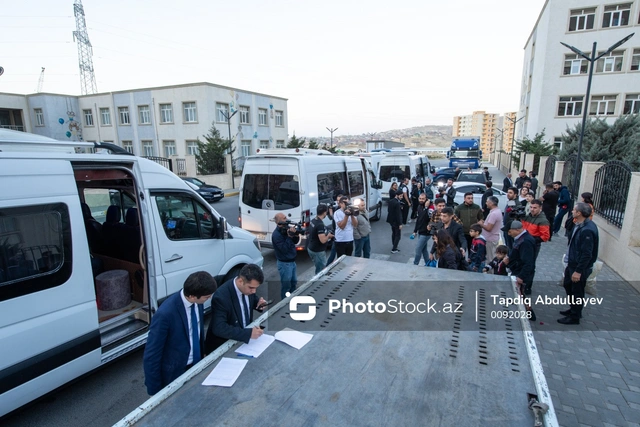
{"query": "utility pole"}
pixel 40 81
pixel 513 138
pixel 332 131
pixel 228 117
pixel 85 52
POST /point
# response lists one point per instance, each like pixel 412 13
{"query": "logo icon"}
pixel 302 300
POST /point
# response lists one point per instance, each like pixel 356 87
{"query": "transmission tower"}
pixel 40 81
pixel 85 52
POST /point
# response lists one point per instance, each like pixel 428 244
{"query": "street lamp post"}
pixel 585 108
pixel 332 131
pixel 228 117
pixel 513 139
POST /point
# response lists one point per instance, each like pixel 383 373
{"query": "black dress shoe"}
pixel 569 321
pixel 566 312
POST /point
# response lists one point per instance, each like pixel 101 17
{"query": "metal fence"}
pixel 181 166
pixel 610 191
pixel 167 163
pixel 549 169
pixel 568 173
pixel 212 166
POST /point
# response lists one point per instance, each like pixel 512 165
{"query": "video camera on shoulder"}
pixel 293 228
pixel 518 213
pixel 435 227
pixel 352 210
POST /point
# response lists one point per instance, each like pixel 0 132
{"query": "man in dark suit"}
pixel 507 183
pixel 232 309
pixel 487 193
pixel 176 335
pixel 394 218
pixel 522 257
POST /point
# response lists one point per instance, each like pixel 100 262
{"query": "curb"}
pixel 231 193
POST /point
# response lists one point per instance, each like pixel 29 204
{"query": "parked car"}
pixel 210 193
pixel 478 190
pixel 441 176
pixel 475 176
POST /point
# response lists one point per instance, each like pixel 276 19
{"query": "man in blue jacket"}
pixel 176 335
pixel 522 257
pixel 563 205
pixel 581 255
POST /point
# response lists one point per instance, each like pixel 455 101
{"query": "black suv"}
pixel 210 193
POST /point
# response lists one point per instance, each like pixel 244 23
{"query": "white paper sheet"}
pixel 226 372
pixel 294 338
pixel 255 347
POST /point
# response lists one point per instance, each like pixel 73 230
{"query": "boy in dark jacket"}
pixel 499 268
pixel 478 250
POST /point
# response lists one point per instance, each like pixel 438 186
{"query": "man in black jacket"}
pixel 581 255
pixel 455 230
pixel 421 230
pixel 394 218
pixel 284 239
pixel 507 183
pixel 522 257
pixel 483 203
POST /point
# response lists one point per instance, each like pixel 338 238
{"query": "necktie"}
pixel 245 306
pixel 195 335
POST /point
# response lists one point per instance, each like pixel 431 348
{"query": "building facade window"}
pixel 262 117
pixel 575 64
pixel 610 63
pixel 635 60
pixel 264 144
pixel 169 148
pixel 39 116
pixel 88 117
pixel 245 147
pixel 192 148
pixel 279 118
pixel 616 15
pixel 128 145
pixel 603 105
pixel 632 104
pixel 245 117
pixel 105 117
pixel 147 149
pixel 190 113
pixel 582 19
pixel 144 114
pixel 280 143
pixel 166 113
pixel 570 105
pixel 123 112
pixel 557 142
pixel 222 112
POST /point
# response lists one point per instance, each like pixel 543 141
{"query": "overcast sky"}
pixel 361 66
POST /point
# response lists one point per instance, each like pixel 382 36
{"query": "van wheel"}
pixel 378 214
pixel 231 274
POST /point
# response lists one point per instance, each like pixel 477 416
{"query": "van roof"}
pixel 292 152
pixel 13 140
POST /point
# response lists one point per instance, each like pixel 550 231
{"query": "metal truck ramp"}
pixel 465 366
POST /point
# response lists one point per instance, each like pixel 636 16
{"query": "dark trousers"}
pixel 414 208
pixel 469 240
pixel 405 213
pixel 550 218
pixel 344 248
pixel 557 222
pixel 395 236
pixel 508 240
pixel 575 289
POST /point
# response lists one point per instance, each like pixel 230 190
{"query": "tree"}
pixel 313 144
pixel 211 155
pixel 332 149
pixel 536 146
pixel 295 142
pixel 603 142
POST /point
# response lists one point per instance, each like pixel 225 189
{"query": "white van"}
pixel 295 181
pixel 395 166
pixel 61 226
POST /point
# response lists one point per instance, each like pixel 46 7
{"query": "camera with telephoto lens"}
pixel 518 213
pixel 293 228
pixel 352 210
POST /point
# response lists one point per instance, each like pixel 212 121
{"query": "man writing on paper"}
pixel 176 334
pixel 232 309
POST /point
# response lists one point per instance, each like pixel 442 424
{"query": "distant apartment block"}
pixel 554 79
pixel 161 121
pixel 488 126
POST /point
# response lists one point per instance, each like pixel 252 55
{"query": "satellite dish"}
pixel 1 71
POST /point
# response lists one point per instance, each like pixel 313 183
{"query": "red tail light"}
pixel 240 216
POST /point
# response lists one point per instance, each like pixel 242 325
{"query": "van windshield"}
pixel 392 171
pixel 283 190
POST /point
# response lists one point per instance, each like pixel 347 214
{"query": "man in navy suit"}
pixel 176 335
pixel 507 183
pixel 232 309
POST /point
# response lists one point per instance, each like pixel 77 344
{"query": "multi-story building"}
pixel 482 124
pixel 554 79
pixel 162 121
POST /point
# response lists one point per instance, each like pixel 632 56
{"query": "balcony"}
pixel 12 127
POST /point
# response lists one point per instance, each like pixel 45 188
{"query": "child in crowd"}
pixel 496 264
pixel 478 251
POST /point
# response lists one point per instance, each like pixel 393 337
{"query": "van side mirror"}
pixel 432 170
pixel 221 229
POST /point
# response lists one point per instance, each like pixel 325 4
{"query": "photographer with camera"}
pixel 318 237
pixel 332 209
pixel 285 238
pixel 510 214
pixel 345 223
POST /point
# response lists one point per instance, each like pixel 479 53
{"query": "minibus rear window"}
pixel 283 190
pixel 392 171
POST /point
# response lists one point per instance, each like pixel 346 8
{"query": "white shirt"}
pixel 187 307
pixel 240 297
pixel 343 234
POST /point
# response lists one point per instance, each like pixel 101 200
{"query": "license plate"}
pixel 260 236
